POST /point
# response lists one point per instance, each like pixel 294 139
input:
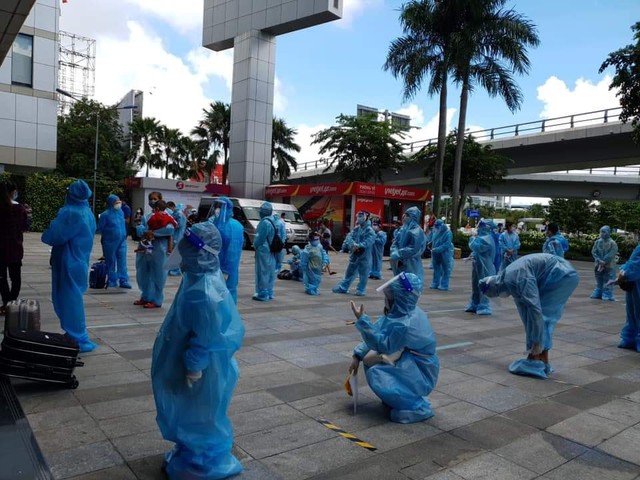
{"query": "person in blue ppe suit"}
pixel 193 369
pixel 377 251
pixel 399 351
pixel 604 253
pixel 265 258
pixel 441 255
pixel 629 280
pixel 71 236
pixel 346 244
pixel 555 244
pixel 540 285
pixel 281 230
pixel 150 272
pixel 408 246
pixel 360 245
pixel 495 233
pixel 181 219
pixel 112 226
pixel 294 263
pixel 312 259
pixel 232 233
pixel 509 245
pixel 483 250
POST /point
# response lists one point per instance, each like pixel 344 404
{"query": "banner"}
pixel 353 188
pixel 375 206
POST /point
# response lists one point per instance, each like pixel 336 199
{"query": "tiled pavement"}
pixel 583 424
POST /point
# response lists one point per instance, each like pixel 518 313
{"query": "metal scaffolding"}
pixel 76 68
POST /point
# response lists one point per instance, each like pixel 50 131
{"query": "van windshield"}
pixel 252 213
pixel 290 216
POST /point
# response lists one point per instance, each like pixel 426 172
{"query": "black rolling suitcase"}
pixel 40 356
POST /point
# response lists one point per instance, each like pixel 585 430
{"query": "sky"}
pixel 321 72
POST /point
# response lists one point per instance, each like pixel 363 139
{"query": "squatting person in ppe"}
pixel 151 275
pixel 540 285
pixel 71 236
pixel 408 245
pixel 193 369
pixel 604 252
pixel 399 351
pixel 360 244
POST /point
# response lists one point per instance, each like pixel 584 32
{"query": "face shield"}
pixel 175 259
pixel 218 212
pixel 387 289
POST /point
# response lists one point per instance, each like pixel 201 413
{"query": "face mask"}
pixel 152 203
pixel 169 211
pixel 216 212
pixel 14 197
pixel 376 228
pixel 361 219
pixel 315 243
pixel 406 220
pixel 117 206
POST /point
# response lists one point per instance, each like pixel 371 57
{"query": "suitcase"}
pixel 98 275
pixel 22 315
pixel 40 356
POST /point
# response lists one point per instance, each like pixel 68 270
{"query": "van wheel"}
pixel 247 243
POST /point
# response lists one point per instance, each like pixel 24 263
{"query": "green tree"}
pixel 482 166
pixel 361 148
pixel 171 152
pixel 572 214
pixel 77 142
pixel 144 133
pixel 616 214
pixel 626 63
pixel 283 142
pixel 212 134
pixel 536 211
pixel 489 47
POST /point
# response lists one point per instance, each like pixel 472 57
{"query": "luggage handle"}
pixel 79 364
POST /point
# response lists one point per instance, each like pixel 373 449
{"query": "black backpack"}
pixel 276 244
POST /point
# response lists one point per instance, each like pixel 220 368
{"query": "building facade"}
pixel 28 82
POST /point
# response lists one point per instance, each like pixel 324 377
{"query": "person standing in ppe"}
pixel 509 245
pixel 399 351
pixel 181 221
pixel 540 285
pixel 441 255
pixel 232 233
pixel 555 244
pixel 360 245
pixel 604 253
pixel 151 275
pixel 629 281
pixel 312 259
pixel 483 252
pixel 265 258
pixel 281 231
pixel 408 246
pixel 378 251
pixel 193 369
pixel 113 228
pixel 71 236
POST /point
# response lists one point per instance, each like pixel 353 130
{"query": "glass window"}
pixel 22 60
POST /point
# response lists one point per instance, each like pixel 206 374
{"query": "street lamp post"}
pixel 95 157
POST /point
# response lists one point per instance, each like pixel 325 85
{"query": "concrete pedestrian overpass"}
pixel 587 155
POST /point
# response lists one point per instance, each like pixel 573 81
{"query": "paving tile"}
pixel 594 465
pixel 61 417
pixel 297 391
pixel 540 452
pixel 255 470
pixel 543 414
pixel 70 436
pixel 84 459
pixel 625 445
pixel 265 418
pixel 370 468
pixel 118 408
pixel 121 472
pixel 389 435
pixel 148 468
pixel 251 401
pixel 49 401
pixel 581 398
pixel 129 424
pixel 587 429
pixel 623 411
pixel 612 367
pixel 492 467
pixel 493 432
pixel 141 445
pixel 114 392
pixel 442 475
pixel 457 415
pixel 613 386
pixel 501 399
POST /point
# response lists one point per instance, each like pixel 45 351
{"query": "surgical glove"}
pixel 193 377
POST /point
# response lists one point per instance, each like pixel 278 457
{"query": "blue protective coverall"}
pixel 483 249
pixel 604 253
pixel 312 259
pixel 232 233
pixel 181 220
pixel 408 246
pixel 540 285
pixel 347 243
pixel 377 253
pixel 556 245
pixel 200 334
pixel 281 229
pixel 360 245
pixel 71 236
pixel 441 255
pixel 630 271
pixel 150 273
pixel 509 242
pixel 294 263
pixel 265 258
pixel 405 328
pixel 114 243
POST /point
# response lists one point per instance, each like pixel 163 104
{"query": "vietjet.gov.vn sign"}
pixel 353 188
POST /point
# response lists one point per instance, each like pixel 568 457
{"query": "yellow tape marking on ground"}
pixel 348 436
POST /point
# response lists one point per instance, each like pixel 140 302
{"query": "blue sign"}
pixel 473 213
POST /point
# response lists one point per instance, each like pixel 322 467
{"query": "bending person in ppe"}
pixel 312 259
pixel 399 351
pixel 483 250
pixel 408 245
pixel 193 369
pixel 540 285
pixel 604 253
pixel 441 255
pixel 360 245
pixel 629 281
pixel 112 226
pixel 232 233
pixel 71 236
pixel 181 220
pixel 265 258
pixel 377 251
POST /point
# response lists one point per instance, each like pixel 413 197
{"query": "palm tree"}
pixel 212 133
pixel 201 168
pixel 423 50
pixel 170 150
pixel 489 48
pixel 282 142
pixel 144 136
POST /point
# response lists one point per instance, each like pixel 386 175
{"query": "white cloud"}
pixel 308 152
pixel 184 15
pixel 353 8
